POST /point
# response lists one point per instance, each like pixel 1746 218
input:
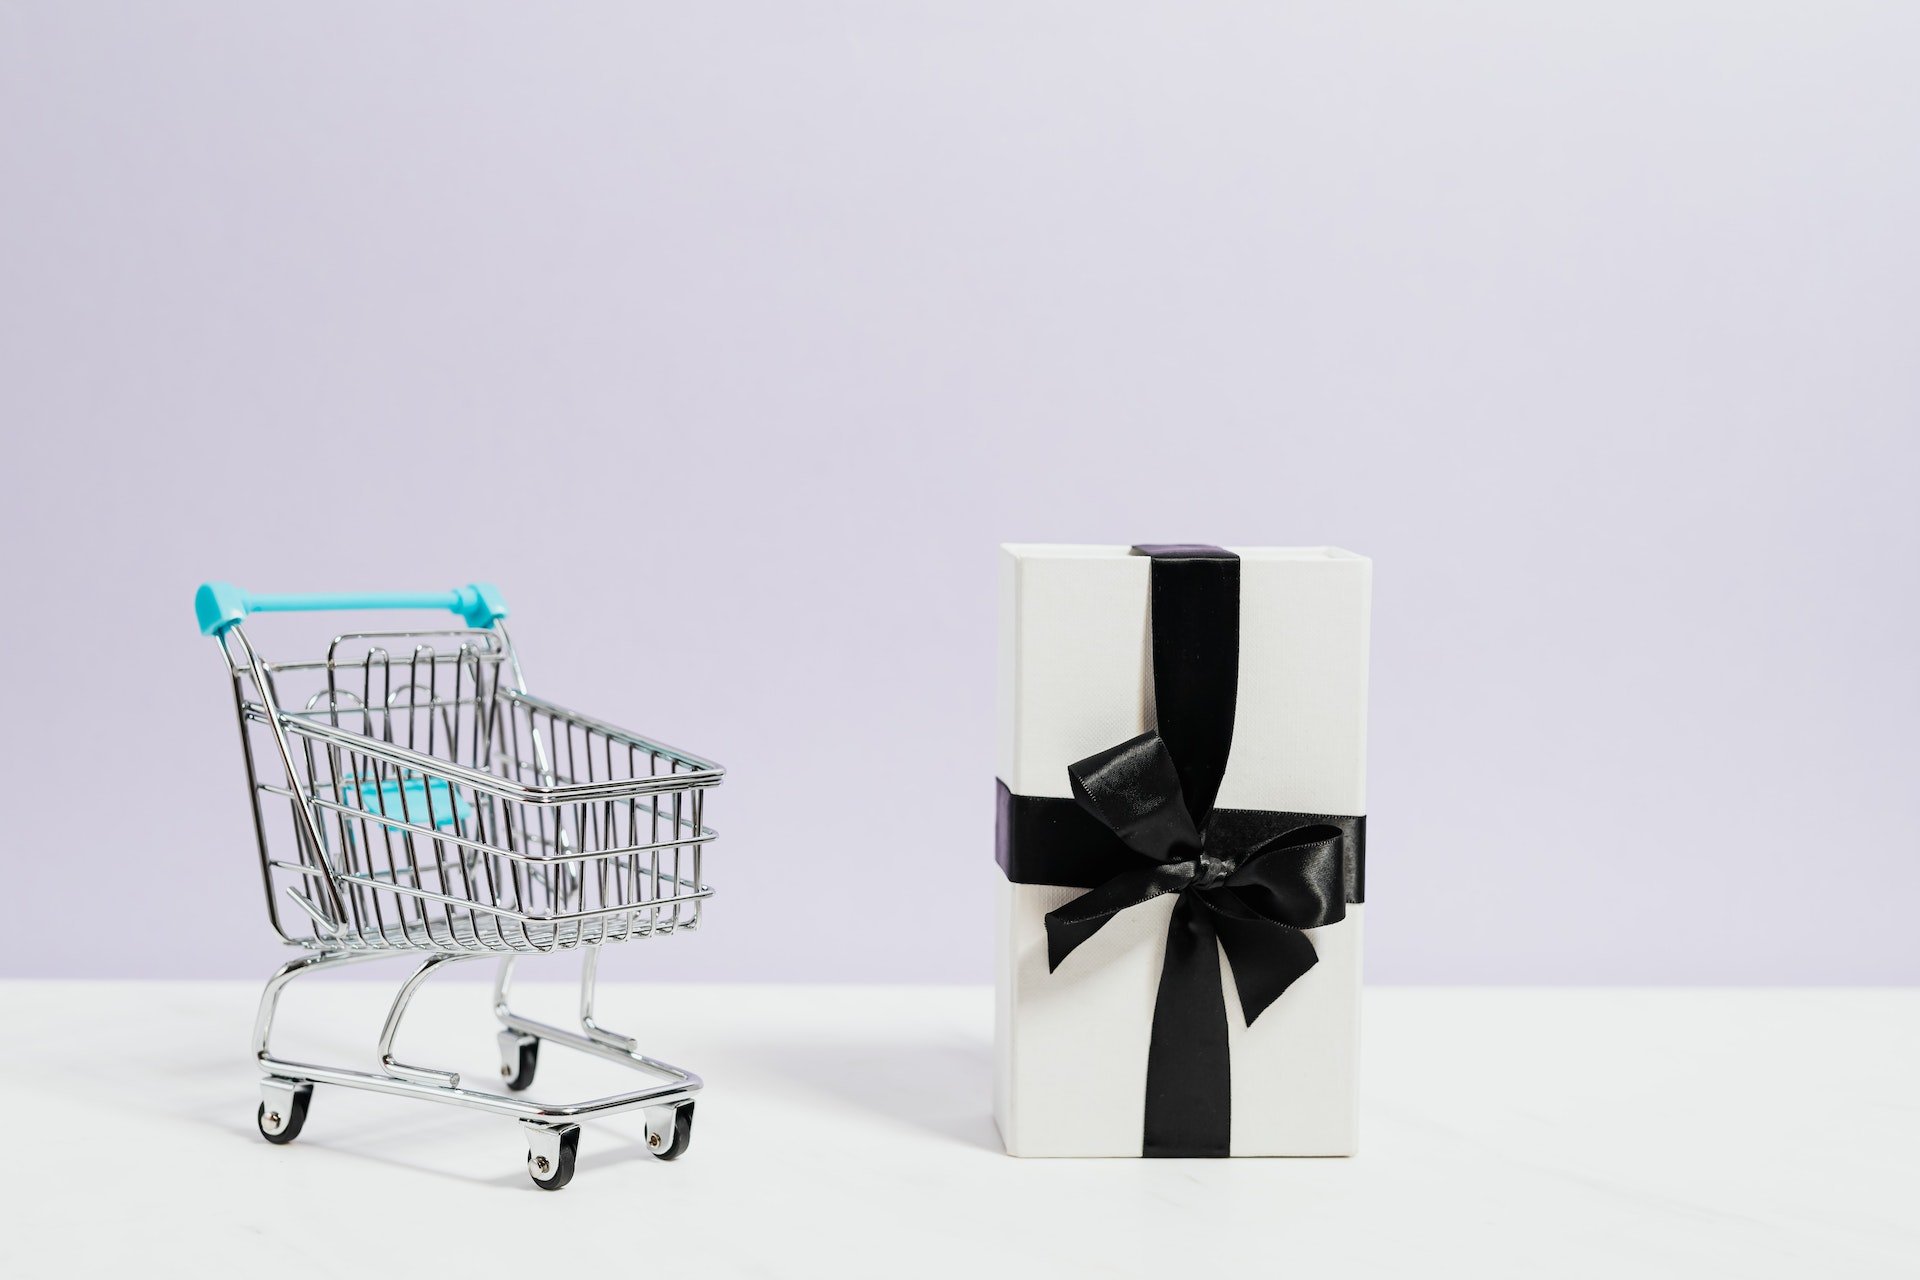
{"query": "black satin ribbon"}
pixel 1142 823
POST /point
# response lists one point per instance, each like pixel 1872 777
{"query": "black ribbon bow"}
pixel 1249 880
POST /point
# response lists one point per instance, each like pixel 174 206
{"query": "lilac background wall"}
pixel 734 337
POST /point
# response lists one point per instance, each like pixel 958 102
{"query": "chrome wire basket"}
pixel 409 795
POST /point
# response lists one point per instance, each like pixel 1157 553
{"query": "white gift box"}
pixel 1075 677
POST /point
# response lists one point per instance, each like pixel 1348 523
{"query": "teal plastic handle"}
pixel 219 605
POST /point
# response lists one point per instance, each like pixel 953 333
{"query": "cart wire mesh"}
pixel 409 794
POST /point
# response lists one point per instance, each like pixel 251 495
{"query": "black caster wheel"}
pixel 281 1122
pixel 517 1071
pixel 552 1172
pixel 672 1148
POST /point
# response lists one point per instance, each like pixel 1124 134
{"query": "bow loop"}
pixel 1294 878
pixel 1134 790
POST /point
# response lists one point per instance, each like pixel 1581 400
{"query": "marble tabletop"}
pixel 1506 1132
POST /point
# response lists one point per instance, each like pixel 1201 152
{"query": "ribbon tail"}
pixel 1070 925
pixel 1267 956
pixel 1189 1080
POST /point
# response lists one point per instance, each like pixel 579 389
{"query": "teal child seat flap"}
pixel 422 802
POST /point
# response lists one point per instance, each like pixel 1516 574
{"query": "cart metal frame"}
pixel 435 806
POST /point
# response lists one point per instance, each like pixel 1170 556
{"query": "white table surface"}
pixel 1521 1132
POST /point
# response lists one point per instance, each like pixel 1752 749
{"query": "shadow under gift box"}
pixel 1075 678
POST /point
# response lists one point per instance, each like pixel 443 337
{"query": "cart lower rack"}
pixel 410 797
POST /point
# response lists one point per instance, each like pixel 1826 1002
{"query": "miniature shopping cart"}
pixel 412 798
